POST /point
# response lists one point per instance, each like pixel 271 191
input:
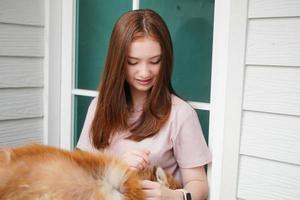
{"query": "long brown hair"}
pixel 114 99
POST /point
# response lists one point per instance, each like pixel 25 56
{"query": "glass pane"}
pixel 95 20
pixel 81 105
pixel 191 26
pixel 203 116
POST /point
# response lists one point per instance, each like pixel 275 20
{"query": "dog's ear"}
pixel 5 156
pixel 161 176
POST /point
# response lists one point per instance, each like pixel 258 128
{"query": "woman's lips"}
pixel 144 81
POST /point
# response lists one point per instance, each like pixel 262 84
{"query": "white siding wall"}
pixel 269 166
pixel 21 71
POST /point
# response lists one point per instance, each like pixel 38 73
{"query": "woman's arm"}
pixel 195 182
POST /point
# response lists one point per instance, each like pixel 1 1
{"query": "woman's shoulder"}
pixel 179 102
pixel 93 104
pixel 94 100
pixel 181 107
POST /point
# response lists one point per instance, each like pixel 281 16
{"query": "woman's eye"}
pixel 155 62
pixel 131 63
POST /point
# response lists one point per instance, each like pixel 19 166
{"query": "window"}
pixel 191 27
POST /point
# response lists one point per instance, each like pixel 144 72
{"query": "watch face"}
pixel 188 196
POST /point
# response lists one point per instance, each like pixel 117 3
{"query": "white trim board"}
pixel 46 71
pixel 67 62
pixel 200 105
pixel 54 76
pixel 86 93
pixel 230 22
pixel 135 4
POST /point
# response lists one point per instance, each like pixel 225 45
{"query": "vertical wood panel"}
pixel 30 12
pixel 274 42
pixel 21 72
pixel 19 132
pixel 268 180
pixel 272 89
pixel 19 40
pixel 21 103
pixel 274 8
pixel 271 136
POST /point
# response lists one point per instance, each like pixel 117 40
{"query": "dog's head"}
pixel 159 175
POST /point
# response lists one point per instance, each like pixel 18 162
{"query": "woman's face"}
pixel 143 66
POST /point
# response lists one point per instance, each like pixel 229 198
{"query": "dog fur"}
pixel 40 172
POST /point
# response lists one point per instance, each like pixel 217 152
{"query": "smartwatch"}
pixel 186 194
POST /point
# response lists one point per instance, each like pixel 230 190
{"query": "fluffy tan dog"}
pixel 39 172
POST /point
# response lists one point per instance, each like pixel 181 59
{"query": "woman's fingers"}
pixel 137 160
pixel 146 184
pixel 143 154
pixel 151 190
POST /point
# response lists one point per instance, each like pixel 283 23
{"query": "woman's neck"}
pixel 138 99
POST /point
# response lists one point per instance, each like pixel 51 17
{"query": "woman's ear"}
pixel 161 176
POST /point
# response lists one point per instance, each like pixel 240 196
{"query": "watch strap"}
pixel 186 194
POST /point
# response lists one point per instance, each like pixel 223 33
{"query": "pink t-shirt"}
pixel 178 144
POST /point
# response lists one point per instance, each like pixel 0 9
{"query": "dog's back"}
pixel 41 172
pixel 47 173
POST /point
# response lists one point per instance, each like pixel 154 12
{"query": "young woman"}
pixel 137 115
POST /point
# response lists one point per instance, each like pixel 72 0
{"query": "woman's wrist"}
pixel 169 194
pixel 178 195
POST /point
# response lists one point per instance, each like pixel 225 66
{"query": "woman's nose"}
pixel 144 71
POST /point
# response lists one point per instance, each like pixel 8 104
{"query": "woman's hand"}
pixel 156 191
pixel 137 160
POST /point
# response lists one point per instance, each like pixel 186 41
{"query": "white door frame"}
pixel 53 17
pixel 68 62
pixel 226 90
pixel 61 16
pixel 228 61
